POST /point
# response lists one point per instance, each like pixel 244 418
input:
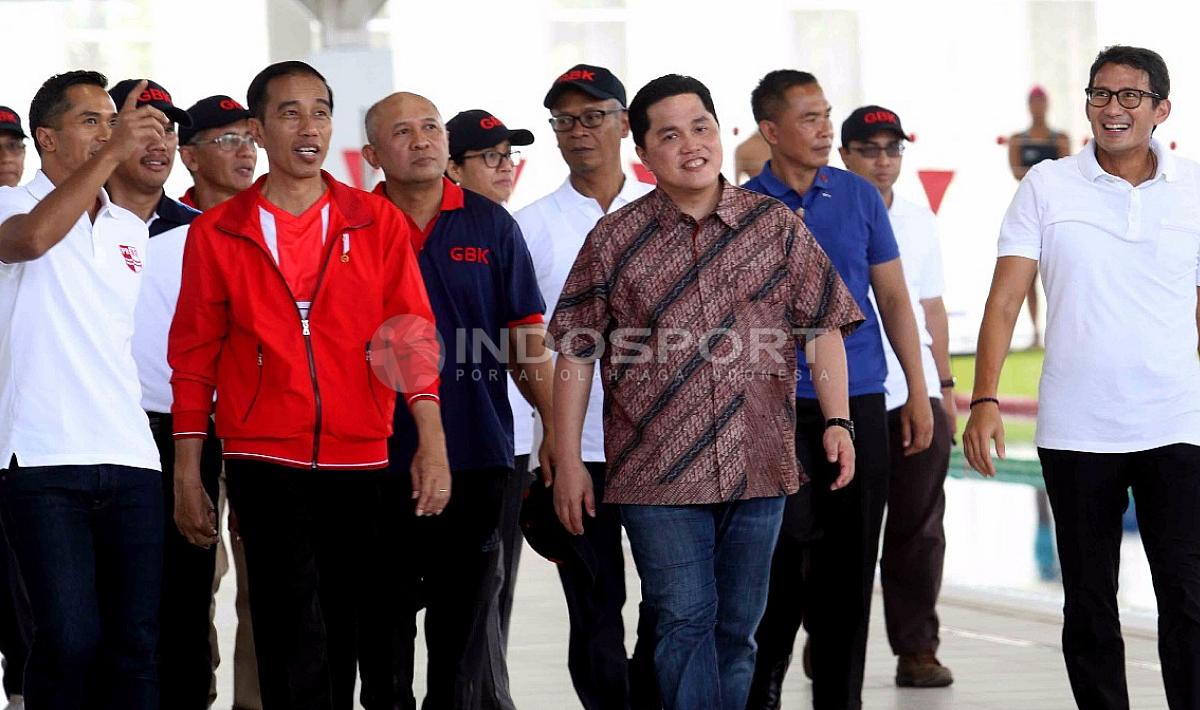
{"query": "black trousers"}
pixel 823 571
pixel 16 621
pixel 604 678
pixel 914 540
pixel 445 564
pixel 313 565
pixel 185 655
pixel 494 693
pixel 1089 493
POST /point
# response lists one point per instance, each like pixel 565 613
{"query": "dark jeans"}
pixel 704 571
pixel 823 573
pixel 1088 494
pixel 185 658
pixel 494 690
pixel 604 678
pixel 446 564
pixel 312 561
pixel 88 541
pixel 16 621
pixel 914 541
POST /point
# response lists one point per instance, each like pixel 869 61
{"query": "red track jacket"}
pixel 291 391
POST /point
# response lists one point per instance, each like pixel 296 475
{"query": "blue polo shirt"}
pixel 480 281
pixel 849 220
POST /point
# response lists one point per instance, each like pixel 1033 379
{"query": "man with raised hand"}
pixel 1115 232
pixel 695 298
pixel 81 488
pixel 303 310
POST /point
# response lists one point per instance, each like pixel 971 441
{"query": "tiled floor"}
pixel 1004 652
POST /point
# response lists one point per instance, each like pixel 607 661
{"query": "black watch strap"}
pixel 843 423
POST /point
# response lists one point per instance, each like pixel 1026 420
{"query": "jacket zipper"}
pixel 258 387
pixel 305 329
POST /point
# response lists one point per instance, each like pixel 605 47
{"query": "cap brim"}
pixel 177 115
pixel 521 136
pixel 14 128
pixel 558 89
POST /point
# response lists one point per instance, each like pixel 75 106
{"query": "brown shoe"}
pixel 922 670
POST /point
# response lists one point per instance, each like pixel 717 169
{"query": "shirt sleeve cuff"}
pixel 414 398
pixel 532 319
pixel 190 425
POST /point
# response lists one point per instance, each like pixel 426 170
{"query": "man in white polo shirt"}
pixel 1115 231
pixel 81 492
pixel 588 116
pixel 914 540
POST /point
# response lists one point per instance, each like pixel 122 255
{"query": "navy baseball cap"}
pixel 866 121
pixel 478 129
pixel 545 532
pixel 594 81
pixel 212 112
pixel 154 95
pixel 10 122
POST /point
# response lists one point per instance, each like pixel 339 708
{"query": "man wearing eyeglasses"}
pixel 589 120
pixel 823 572
pixel 12 148
pixel 482 158
pixel 488 311
pixel 218 150
pixel 1115 233
pixel 914 542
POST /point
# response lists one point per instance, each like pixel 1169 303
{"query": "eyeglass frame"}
pixel 244 139
pixel 499 159
pixel 604 113
pixel 18 146
pixel 1089 92
pixel 898 146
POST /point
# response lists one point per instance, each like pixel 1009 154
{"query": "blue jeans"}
pixel 705 570
pixel 89 544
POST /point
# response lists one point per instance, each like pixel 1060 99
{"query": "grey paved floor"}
pixel 1004 652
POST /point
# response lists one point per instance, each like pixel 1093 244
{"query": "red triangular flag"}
pixel 517 173
pixel 643 174
pixel 354 167
pixel 935 183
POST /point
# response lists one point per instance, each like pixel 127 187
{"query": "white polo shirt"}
pixel 554 228
pixel 921 255
pixel 153 316
pixel 69 392
pixel 1120 265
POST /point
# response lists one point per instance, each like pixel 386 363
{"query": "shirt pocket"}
pixel 1178 249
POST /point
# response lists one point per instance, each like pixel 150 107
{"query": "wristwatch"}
pixel 843 423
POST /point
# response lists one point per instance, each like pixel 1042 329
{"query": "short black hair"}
pixel 769 95
pixel 664 87
pixel 1146 60
pixel 256 95
pixel 50 102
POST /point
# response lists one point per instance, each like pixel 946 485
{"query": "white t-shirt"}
pixel 554 228
pixel 921 255
pixel 152 319
pixel 69 392
pixel 1120 265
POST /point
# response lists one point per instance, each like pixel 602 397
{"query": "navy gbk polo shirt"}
pixel 849 220
pixel 481 282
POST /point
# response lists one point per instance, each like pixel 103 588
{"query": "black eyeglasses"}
pixel 564 122
pixel 1127 98
pixel 230 142
pixel 872 151
pixel 12 147
pixel 492 158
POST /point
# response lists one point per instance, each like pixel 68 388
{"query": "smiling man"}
pixel 1115 232
pixel 698 434
pixel 297 295
pixel 218 150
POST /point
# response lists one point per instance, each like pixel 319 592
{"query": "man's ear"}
pixel 187 155
pixel 45 139
pixel 454 171
pixel 769 131
pixel 1162 111
pixel 369 155
pixel 256 130
pixel 641 154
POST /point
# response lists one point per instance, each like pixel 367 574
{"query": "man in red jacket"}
pixel 302 308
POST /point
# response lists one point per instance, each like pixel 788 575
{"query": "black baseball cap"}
pixel 212 112
pixel 478 129
pixel 866 121
pixel 154 94
pixel 545 532
pixel 11 122
pixel 594 81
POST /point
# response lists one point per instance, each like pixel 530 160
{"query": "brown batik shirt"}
pixel 696 327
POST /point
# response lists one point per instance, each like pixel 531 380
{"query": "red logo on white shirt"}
pixel 131 258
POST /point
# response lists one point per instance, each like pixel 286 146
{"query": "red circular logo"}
pixel 490 122
pixel 230 105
